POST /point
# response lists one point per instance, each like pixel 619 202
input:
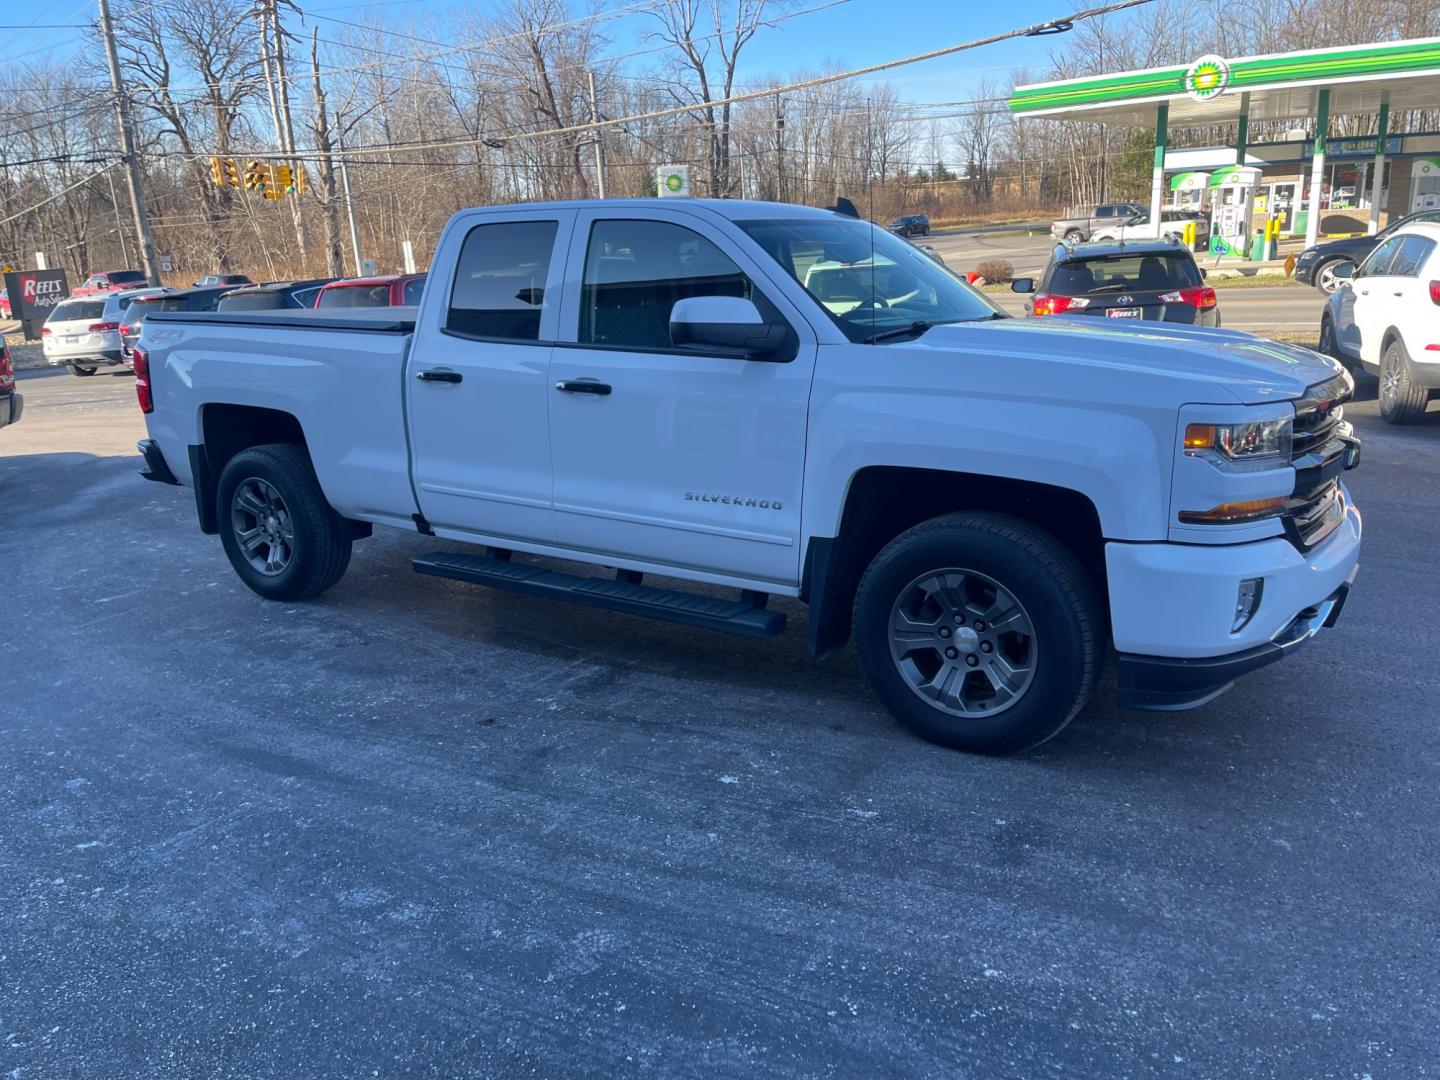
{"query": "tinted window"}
pixel 70 310
pixel 413 289
pixel 1159 272
pixel 1104 211
pixel 305 297
pixel 635 271
pixel 1379 261
pixel 126 276
pixel 499 289
pixel 355 296
pixel 1414 250
pixel 255 301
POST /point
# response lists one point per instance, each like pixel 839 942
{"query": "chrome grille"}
pixel 1317 506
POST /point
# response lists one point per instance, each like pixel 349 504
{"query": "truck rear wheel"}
pixel 280 534
pixel 978 631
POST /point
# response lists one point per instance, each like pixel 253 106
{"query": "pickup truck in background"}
pixel 784 401
pixel 1081 227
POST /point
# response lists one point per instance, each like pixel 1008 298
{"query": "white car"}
pixel 83 332
pixel 792 402
pixel 1386 319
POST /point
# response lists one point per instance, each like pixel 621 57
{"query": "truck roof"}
pixel 735 209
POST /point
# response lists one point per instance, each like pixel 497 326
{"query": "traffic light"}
pixel 256 174
pixel 300 181
pixel 280 182
pixel 217 171
pixel 224 172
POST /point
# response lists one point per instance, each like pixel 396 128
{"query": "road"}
pixel 421 829
pixel 1291 308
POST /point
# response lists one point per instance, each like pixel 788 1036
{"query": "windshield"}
pixel 868 280
pixel 123 277
pixel 252 301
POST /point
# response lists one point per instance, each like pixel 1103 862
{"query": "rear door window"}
pixel 413 289
pixel 499 290
pixel 1159 272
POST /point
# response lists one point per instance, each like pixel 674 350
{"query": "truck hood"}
pixel 1223 365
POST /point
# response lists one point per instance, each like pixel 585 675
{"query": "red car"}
pixel 388 290
pixel 4 304
pixel 112 281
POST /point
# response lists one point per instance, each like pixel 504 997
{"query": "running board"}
pixel 706 612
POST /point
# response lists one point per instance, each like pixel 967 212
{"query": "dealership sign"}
pixel 33 295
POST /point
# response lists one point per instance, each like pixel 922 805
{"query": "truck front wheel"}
pixel 280 534
pixel 978 631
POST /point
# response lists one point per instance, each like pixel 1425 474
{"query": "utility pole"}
pixel 599 142
pixel 119 222
pixel 127 149
pixel 349 202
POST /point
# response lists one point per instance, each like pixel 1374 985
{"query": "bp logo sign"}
pixel 1207 77
pixel 672 180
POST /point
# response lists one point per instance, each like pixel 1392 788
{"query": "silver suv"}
pixel 83 332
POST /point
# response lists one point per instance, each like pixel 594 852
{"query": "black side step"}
pixel 727 616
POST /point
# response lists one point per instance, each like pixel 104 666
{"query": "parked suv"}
pixel 911 225
pixel 1318 265
pixel 83 333
pixel 389 290
pixel 1142 279
pixel 275 296
pixel 1078 229
pixel 165 300
pixel 1386 320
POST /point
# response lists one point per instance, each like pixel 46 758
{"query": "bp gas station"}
pixel 1304 182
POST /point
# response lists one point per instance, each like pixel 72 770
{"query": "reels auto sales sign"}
pixel 33 295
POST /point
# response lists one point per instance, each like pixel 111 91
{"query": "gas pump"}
pixel 1233 198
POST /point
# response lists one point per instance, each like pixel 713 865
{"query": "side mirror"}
pixel 728 325
pixel 1204 273
pixel 1023 285
pixel 1345 271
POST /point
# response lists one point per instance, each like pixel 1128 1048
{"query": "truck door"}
pixel 476 384
pixel 676 458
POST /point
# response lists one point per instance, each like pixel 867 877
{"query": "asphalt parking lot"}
pixel 416 828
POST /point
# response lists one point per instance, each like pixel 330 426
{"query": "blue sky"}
pixel 853 34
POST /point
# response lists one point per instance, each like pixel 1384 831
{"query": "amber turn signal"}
pixel 1234 513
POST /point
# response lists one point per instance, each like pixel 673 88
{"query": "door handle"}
pixel 1399 294
pixel 439 376
pixel 583 386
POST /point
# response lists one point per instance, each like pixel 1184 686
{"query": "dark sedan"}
pixel 1317 265
pixel 10 402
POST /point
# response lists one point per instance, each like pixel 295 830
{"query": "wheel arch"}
pixel 884 501
pixel 225 430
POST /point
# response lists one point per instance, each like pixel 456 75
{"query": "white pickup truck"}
pixel 786 401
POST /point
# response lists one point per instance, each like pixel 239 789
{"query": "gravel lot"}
pixel 421 829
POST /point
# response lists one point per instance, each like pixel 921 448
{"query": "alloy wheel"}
pixel 263 526
pixel 1328 281
pixel 962 642
pixel 1389 380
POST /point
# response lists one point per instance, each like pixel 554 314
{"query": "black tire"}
pixel 82 370
pixel 1401 401
pixel 1074 236
pixel 1327 344
pixel 1050 586
pixel 319 549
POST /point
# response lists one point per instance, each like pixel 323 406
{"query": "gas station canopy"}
pixel 1215 90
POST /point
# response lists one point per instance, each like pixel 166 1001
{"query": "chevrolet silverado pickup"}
pixel 754 400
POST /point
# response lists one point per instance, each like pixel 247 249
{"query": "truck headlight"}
pixel 1244 447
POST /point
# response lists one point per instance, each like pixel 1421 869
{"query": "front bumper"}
pixel 1172 684
pixel 1305 273
pixel 1172 608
